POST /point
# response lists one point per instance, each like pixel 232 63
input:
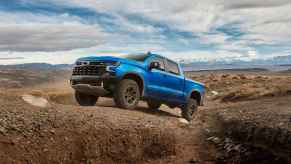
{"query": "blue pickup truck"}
pixel 131 78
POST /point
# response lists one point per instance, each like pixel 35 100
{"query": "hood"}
pixel 112 59
pixel 99 58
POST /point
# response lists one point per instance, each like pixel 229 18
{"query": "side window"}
pixel 173 67
pixel 161 61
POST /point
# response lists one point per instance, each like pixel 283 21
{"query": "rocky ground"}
pixel 246 119
pixel 265 124
pixel 43 124
pixel 253 114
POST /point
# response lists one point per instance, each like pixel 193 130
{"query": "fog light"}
pixel 111 68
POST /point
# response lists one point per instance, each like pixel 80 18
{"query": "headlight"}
pixel 115 63
pixel 111 66
pixel 78 63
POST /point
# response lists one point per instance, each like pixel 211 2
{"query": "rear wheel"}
pixel 153 104
pixel 85 99
pixel 127 94
pixel 188 111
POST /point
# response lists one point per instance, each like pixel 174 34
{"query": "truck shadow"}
pixel 157 112
pixel 140 108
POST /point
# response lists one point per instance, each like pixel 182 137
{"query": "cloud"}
pixel 47 37
pixel 181 15
pixel 42 33
pixel 216 38
pixel 11 58
pixel 125 25
pixel 196 16
pixel 205 29
pixel 231 4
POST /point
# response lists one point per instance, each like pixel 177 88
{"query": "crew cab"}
pixel 131 78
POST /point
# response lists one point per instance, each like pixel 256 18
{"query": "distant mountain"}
pixel 275 63
pixel 282 60
pixel 37 66
pixel 279 60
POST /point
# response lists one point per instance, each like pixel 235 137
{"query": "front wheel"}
pixel 189 109
pixel 127 94
pixel 85 99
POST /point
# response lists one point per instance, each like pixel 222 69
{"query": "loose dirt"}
pixel 63 132
pixel 246 120
pixel 36 101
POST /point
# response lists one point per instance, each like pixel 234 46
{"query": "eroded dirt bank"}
pixel 68 133
pixel 256 132
pixel 252 115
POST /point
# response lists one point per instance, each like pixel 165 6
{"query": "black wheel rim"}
pixel 130 95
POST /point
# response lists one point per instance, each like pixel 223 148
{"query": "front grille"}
pixel 98 63
pixel 95 63
pixel 89 70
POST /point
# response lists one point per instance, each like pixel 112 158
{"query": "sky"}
pixel 60 31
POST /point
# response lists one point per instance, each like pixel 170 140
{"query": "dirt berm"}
pixel 102 134
pixel 262 126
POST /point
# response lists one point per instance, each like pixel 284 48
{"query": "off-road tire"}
pixel 85 99
pixel 153 104
pixel 188 111
pixel 127 94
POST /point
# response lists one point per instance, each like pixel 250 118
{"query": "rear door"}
pixel 175 81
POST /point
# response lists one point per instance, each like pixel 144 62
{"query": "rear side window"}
pixel 173 67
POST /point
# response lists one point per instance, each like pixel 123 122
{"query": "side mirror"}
pixel 155 65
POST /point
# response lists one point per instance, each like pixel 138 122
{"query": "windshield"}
pixel 136 57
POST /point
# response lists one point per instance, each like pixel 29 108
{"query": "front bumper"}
pixel 94 85
pixel 92 90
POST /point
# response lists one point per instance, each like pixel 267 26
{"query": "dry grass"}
pixel 241 87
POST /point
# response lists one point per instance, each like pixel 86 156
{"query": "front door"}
pixel 156 80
